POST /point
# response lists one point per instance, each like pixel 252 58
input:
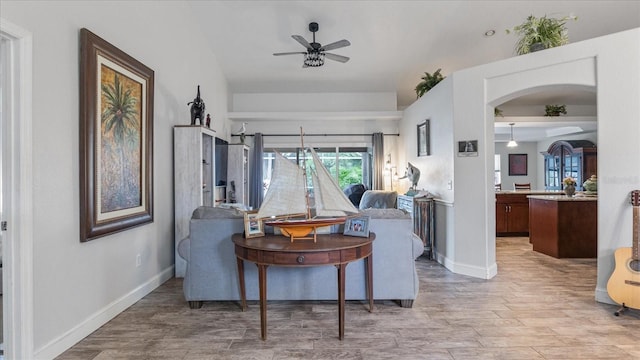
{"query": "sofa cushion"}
pixel 374 213
pixel 379 199
pixel 208 212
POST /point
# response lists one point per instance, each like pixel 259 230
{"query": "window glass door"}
pixel 346 165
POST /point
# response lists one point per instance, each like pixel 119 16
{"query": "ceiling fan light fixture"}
pixel 512 143
pixel 314 59
pixel 315 52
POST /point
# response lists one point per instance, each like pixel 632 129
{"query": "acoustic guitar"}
pixel 624 284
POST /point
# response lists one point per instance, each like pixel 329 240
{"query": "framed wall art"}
pixel 358 226
pixel 468 148
pixel 116 139
pixel 517 164
pixel 253 227
pixel 423 139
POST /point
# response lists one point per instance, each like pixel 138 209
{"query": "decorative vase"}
pixel 536 46
pixel 569 190
pixel 591 185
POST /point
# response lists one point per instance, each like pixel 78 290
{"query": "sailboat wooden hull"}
pixel 299 229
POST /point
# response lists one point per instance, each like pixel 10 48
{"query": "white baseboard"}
pixel 468 270
pixel 603 296
pixel 101 317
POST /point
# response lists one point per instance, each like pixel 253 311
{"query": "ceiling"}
pixel 392 42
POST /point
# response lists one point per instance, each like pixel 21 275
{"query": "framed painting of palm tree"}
pixel 116 139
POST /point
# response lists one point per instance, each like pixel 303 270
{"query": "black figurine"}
pixel 197 109
pixel 208 121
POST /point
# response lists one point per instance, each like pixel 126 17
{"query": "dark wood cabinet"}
pixel 564 227
pixel 512 214
pixel 575 158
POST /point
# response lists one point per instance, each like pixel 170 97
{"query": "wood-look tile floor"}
pixel 537 307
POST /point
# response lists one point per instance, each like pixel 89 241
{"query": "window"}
pixel 496 174
pixel 346 165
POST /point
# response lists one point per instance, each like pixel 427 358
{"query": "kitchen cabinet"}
pixel 565 227
pixel 575 158
pixel 512 213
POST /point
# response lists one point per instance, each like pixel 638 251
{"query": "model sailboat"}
pixel 286 202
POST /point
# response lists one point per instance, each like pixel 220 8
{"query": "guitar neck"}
pixel 635 253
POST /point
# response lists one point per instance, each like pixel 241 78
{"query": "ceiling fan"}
pixel 315 54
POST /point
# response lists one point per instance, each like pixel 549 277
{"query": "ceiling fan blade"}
pixel 335 57
pixel 289 53
pixel 302 41
pixel 335 45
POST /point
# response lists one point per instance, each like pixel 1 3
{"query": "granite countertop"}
pixel 530 192
pixel 576 197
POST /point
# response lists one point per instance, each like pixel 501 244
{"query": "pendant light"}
pixel 512 143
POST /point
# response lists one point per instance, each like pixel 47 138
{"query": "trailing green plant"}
pixel 555 110
pixel 497 112
pixel 428 82
pixel 547 31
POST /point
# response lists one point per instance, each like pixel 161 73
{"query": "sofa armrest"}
pixel 418 246
pixel 184 248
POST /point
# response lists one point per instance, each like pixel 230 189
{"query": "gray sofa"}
pixel 211 273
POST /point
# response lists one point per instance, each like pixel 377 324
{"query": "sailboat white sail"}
pixel 329 199
pixel 287 196
pixel 287 191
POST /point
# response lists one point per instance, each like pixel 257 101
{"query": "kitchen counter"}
pixel 564 227
pixel 530 192
pixel 577 197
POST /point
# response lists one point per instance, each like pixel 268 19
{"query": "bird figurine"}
pixel 241 131
pixel 413 174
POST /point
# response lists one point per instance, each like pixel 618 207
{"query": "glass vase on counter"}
pixel 569 190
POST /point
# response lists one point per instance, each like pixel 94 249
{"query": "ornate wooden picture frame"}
pixel 116 139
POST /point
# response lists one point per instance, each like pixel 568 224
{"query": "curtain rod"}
pixel 317 134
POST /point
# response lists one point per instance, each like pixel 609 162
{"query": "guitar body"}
pixel 624 284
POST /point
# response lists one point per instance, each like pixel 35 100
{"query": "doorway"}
pixel 16 209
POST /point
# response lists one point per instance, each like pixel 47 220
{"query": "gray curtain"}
pixel 255 174
pixel 378 161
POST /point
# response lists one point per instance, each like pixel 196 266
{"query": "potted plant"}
pixel 541 33
pixel 497 112
pixel 555 110
pixel 428 82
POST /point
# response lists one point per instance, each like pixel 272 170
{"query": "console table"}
pixel 422 210
pixel 277 250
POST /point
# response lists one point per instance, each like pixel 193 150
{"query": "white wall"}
pixel 436 170
pixel 533 159
pixel 79 286
pixel 320 115
pixel 316 102
pixel 613 64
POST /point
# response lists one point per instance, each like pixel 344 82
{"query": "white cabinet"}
pixel 238 172
pixel 194 179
